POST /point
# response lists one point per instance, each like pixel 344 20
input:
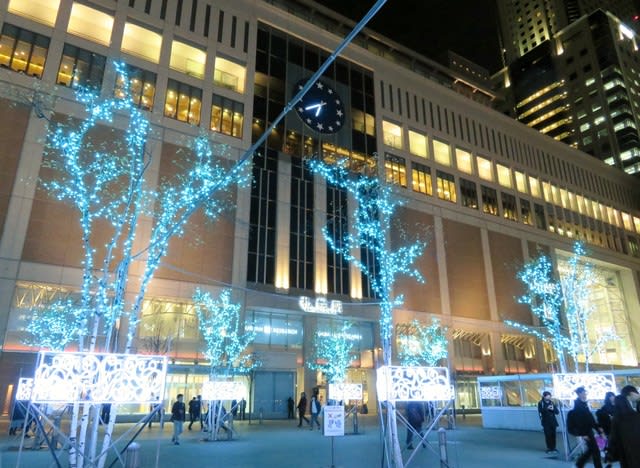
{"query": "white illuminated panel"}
pixel 320 306
pixel 596 384
pixel 490 392
pixel 345 391
pixel 25 387
pixel 98 378
pixel 223 390
pixel 399 383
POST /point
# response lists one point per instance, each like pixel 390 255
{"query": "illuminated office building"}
pixel 493 191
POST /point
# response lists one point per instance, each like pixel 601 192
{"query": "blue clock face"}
pixel 321 109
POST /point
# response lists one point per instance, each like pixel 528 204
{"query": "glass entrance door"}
pixel 271 391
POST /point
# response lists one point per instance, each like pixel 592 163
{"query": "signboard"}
pixel 414 383
pixel 596 384
pixel 333 420
pixel 63 377
pixel 320 306
pixel 223 390
pixel 25 388
pixel 345 391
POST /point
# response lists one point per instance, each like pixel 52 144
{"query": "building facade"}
pixel 491 191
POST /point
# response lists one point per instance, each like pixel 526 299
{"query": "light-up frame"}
pixel 98 378
pixel 409 383
pixel 223 390
pixel 596 385
pixel 345 391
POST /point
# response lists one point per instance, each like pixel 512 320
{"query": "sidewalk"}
pixel 282 444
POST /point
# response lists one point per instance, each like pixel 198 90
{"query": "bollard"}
pixel 132 456
pixel 442 444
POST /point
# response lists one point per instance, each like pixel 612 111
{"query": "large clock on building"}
pixel 321 109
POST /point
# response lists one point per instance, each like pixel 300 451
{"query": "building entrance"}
pixel 270 394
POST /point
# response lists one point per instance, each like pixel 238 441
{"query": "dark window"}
pixel 22 50
pixel 178 12
pixel 234 27
pixel 525 212
pixel 538 211
pixel 489 200
pixel 220 25
pixel 80 67
pixel 509 209
pixel 227 116
pixel 207 20
pixel 469 193
pixel 301 228
pixel 194 10
pixel 337 229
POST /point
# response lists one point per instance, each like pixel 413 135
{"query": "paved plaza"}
pixel 282 444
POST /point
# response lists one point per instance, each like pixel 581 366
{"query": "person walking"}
pixel 290 407
pixel 194 411
pixel 625 429
pixel 315 410
pixel 243 408
pixel 415 417
pixel 605 414
pixel 178 411
pixel 547 411
pixel 580 423
pixel 302 409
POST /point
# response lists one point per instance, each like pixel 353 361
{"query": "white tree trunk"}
pixel 73 431
pixel 84 425
pixel 392 430
pixel 106 442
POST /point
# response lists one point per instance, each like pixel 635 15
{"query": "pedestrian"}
pixel 290 407
pixel 625 429
pixel 547 411
pixel 580 423
pixel 234 408
pixel 302 409
pixel 415 417
pixel 243 408
pixel 178 411
pixel 605 414
pixel 105 413
pixel 194 411
pixel 315 410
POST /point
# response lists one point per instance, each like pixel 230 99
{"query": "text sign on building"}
pixel 62 377
pixel 596 384
pixel 333 419
pixel 414 383
pixel 320 306
pixel 223 390
pixel 345 391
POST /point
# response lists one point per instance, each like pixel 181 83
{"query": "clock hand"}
pixel 317 107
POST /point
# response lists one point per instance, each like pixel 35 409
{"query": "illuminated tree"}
pixel 54 326
pixel 373 222
pixel 423 345
pixel 563 306
pixel 225 344
pixel 333 353
pixel 108 182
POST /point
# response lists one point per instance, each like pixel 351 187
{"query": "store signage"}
pixel 320 305
pixel 333 419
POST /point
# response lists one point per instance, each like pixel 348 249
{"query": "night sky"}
pixel 431 27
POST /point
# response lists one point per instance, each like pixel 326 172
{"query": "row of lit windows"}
pixel 97 27
pixel 486 169
pixel 79 67
pixel 566 223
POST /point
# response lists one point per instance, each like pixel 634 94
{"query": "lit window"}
pixel 22 50
pixel 80 67
pixel 442 152
pixel 580 203
pixel 142 87
pixel 187 59
pixel 534 185
pixel 463 161
pixel 636 223
pixel 446 186
pixel 227 116
pixel 421 179
pixel 183 102
pixel 363 122
pixel 417 144
pixel 555 193
pixel 392 134
pixel 521 181
pixel 230 75
pixel 91 24
pixel 546 190
pixel 141 42
pixel 485 169
pixel 504 176
pixel 395 170
pixel 626 220
pixel 44 11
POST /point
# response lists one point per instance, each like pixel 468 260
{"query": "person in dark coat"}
pixel 194 411
pixel 547 411
pixel 415 417
pixel 290 406
pixel 605 414
pixel 302 409
pixel 581 423
pixel 623 443
pixel 178 411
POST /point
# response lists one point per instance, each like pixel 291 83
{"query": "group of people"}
pixel 315 409
pixel 617 421
pixel 197 413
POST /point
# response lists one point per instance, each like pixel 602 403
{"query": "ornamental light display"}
pixel 563 305
pixel 423 345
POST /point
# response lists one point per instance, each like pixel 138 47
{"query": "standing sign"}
pixel 333 420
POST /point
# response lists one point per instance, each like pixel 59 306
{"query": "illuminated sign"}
pixel 320 306
pixel 268 330
pixel 62 377
pixel 345 391
pixel 596 385
pixel 490 392
pixel 25 388
pixel 413 383
pixel 223 390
